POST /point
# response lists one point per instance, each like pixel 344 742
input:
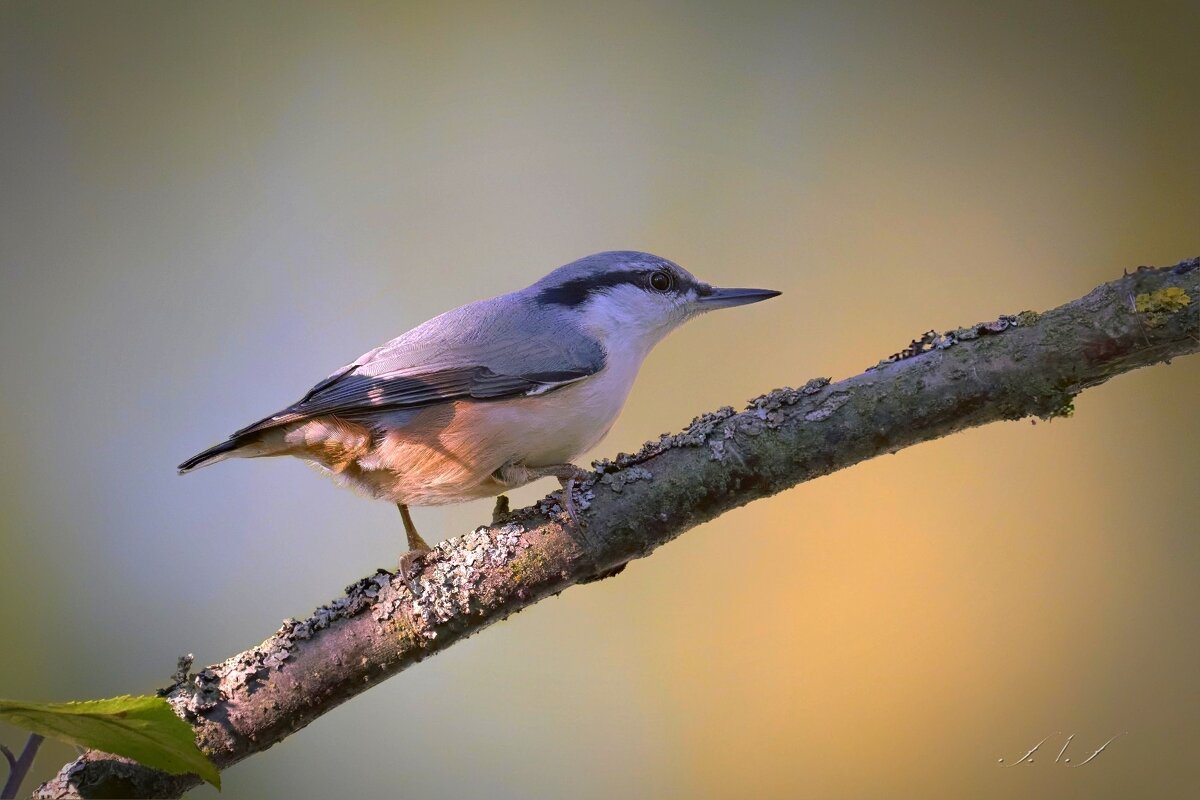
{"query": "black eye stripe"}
pixel 576 291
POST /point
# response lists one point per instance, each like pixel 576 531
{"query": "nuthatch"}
pixel 492 395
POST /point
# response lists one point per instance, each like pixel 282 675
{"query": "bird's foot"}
pixel 409 564
pixel 500 512
pixel 568 477
pixel 568 502
pixel 516 474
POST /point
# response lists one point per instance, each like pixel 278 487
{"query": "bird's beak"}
pixel 728 298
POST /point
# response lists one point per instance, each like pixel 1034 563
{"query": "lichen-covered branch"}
pixel 1016 366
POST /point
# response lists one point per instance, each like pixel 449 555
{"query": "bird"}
pixel 491 395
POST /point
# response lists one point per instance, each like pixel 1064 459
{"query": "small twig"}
pixel 8 754
pixel 18 768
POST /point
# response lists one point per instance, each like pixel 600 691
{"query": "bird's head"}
pixel 633 298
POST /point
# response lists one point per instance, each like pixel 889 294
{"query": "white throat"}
pixel 628 321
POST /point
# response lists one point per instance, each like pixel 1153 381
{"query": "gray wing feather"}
pixel 504 347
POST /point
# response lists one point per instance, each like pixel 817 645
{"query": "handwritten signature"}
pixel 1066 762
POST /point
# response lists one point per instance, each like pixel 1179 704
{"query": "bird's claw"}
pixel 568 501
pixel 409 563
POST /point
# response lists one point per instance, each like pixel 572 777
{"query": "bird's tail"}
pixel 212 455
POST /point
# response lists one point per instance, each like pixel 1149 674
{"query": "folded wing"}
pixel 471 353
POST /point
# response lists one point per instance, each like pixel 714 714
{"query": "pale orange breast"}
pixel 448 453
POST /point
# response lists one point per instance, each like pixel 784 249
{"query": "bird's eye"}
pixel 661 281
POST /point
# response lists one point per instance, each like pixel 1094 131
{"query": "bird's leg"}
pixel 516 474
pixel 416 545
pixel 415 542
pixel 567 474
pixel 500 512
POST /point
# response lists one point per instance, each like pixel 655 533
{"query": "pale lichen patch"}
pixel 454 570
pixel 199 693
pixel 551 505
pixel 694 435
pixel 826 409
pixel 933 340
pixel 618 480
pixel 765 409
pixel 769 408
pixel 245 671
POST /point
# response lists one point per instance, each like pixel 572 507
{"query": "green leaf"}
pixel 142 728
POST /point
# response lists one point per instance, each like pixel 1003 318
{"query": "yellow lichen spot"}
pixel 529 567
pixel 1170 300
pixel 1157 305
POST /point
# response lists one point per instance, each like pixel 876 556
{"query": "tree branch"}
pixel 19 766
pixel 1027 365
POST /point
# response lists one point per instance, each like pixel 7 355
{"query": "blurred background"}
pixel 206 207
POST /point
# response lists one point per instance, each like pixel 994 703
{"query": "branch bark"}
pixel 1024 365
